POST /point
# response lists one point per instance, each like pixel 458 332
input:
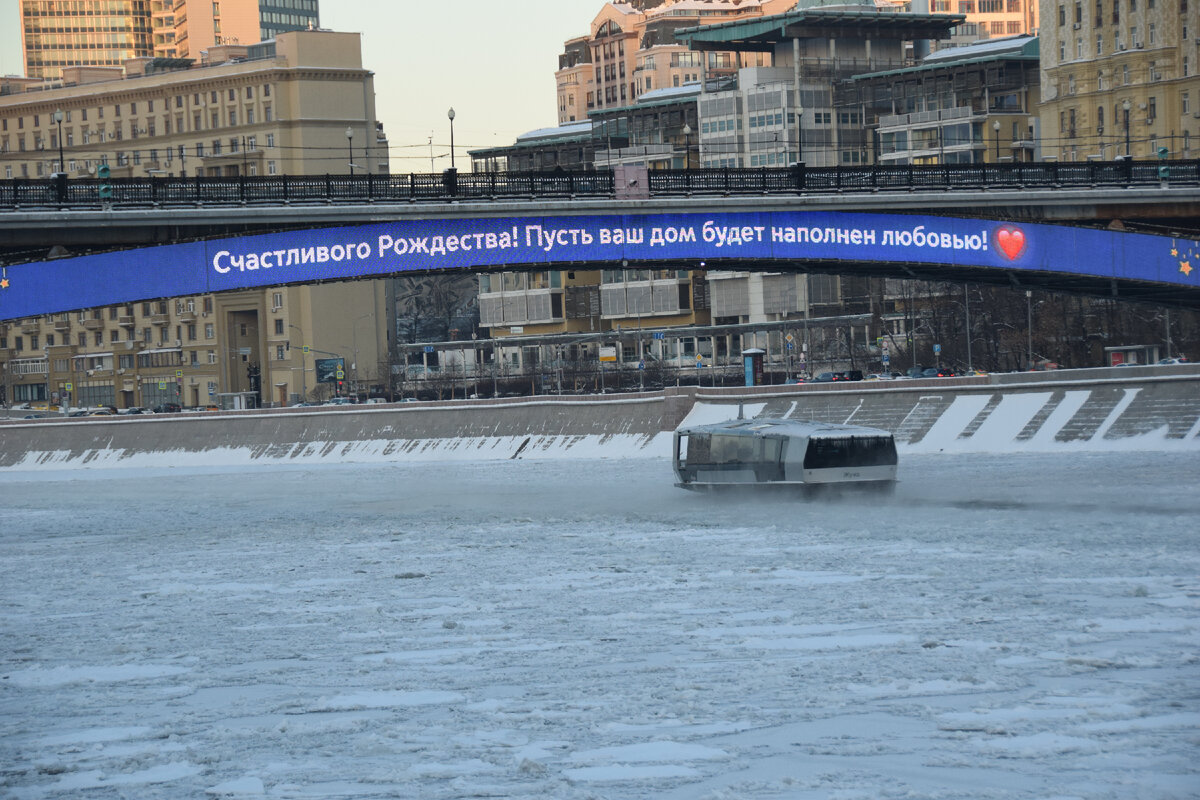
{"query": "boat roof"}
pixel 785 427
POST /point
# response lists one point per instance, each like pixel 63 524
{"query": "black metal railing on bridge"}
pixel 62 192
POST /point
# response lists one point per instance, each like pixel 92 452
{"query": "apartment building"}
pixel 632 48
pixel 1119 77
pixel 277 107
pixel 280 107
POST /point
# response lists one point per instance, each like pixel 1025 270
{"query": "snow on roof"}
pixel 562 131
pixel 989 47
pixel 685 90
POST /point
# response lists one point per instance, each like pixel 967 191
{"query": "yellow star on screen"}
pixel 3 283
pixel 1185 268
pixel 1174 252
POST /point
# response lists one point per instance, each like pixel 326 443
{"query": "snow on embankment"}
pixel 997 414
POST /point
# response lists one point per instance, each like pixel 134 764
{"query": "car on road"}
pixel 938 372
pixel 825 377
pixel 1168 361
pixel 339 401
pixel 168 408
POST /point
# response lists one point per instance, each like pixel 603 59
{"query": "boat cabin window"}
pixel 697 449
pixel 850 451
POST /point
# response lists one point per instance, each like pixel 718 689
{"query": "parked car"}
pixel 339 401
pixel 1180 360
pixel 848 375
pixel 938 372
pixel 825 377
pixel 168 408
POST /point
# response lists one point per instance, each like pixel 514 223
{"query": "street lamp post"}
pixel 303 365
pixel 350 148
pixel 996 130
pixel 687 146
pixel 58 119
pixel 1125 106
pixel 1029 327
pixel 450 116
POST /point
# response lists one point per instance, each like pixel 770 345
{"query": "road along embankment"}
pixel 1146 408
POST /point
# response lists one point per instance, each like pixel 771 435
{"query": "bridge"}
pixel 985 223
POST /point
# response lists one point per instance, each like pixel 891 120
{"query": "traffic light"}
pixel 341 388
pixel 102 174
pixel 1163 170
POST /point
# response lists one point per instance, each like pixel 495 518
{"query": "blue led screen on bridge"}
pixel 683 240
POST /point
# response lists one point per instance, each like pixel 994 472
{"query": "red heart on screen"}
pixel 1011 241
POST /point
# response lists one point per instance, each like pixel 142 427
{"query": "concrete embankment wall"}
pixel 1156 409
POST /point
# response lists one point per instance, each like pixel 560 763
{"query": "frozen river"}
pixel 1013 626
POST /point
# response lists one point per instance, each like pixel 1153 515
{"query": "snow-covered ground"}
pixel 1007 626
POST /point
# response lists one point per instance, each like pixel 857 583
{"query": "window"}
pixel 278 327
pixel 1184 103
pixel 210 330
pixel 1152 109
pixel 1062 14
pixel 279 353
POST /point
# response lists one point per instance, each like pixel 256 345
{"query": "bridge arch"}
pixel 1131 265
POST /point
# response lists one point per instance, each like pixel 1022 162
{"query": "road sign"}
pixel 428 348
pixel 70 387
pixel 162 384
pixel 340 374
pixel 791 346
pixel 659 335
pixel 790 338
pixel 178 373
pixel 886 359
pixel 642 364
pixel 305 349
pixel 937 349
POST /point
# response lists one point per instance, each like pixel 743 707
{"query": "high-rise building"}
pixel 57 34
pixel 198 26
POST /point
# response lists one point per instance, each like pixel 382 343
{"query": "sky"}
pixel 478 56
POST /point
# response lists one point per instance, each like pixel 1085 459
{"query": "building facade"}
pixel 285 108
pixel 632 48
pixel 962 105
pixel 56 34
pixel 1119 77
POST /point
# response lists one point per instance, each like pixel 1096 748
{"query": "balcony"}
pixel 187 316
pixel 160 319
pixel 93 324
pixel 62 325
pixel 125 321
pixel 30 326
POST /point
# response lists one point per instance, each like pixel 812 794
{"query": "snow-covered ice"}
pixel 1007 626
